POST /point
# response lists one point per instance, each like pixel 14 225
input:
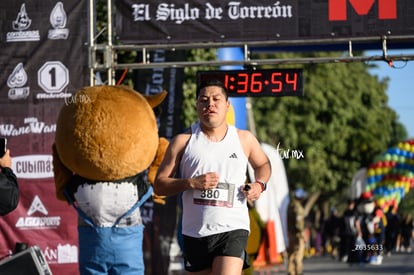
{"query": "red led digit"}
pixel 256 83
pixel 226 81
pixel 292 81
pixel 242 83
pixel 278 84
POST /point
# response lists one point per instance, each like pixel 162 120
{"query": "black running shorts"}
pixel 199 253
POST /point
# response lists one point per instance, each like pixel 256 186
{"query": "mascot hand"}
pixel 158 199
pixel 152 170
pixel 62 175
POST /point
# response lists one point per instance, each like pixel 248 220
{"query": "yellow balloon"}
pixel 231 116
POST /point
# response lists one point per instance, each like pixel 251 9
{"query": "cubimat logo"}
pixel 387 9
pixel 33 166
pixel 34 220
pixel 20 25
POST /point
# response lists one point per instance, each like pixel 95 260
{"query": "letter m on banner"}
pixel 387 9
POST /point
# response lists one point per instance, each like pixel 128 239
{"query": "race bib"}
pixel 222 195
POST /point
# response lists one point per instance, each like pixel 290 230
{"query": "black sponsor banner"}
pixel 159 231
pixel 153 81
pixel 43 61
pixel 178 21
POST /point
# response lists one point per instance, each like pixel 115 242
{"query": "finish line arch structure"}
pixel 333 25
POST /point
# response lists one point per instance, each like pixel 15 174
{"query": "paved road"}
pixel 401 264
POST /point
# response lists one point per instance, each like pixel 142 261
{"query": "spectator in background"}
pixel 391 230
pixel 296 230
pixel 368 223
pixel 407 227
pixel 9 190
pixel 331 233
pixel 348 233
pixel 379 234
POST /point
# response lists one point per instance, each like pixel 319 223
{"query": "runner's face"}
pixel 212 106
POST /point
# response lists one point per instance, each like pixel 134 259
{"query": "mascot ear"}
pixel 155 100
pixel 61 174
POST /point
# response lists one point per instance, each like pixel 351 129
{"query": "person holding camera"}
pixel 296 232
pixel 9 189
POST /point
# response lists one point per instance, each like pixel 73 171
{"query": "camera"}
pixel 25 261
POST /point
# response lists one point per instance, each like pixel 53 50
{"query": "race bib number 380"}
pixel 222 195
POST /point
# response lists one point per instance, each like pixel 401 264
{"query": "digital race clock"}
pixel 269 82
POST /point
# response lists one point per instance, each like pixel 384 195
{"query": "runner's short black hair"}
pixel 212 82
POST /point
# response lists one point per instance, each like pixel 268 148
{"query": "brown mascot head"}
pixel 106 133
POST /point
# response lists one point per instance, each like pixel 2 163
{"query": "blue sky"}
pixel 400 86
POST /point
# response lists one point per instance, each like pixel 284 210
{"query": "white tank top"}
pixel 224 208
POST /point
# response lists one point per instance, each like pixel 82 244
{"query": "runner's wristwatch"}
pixel 263 184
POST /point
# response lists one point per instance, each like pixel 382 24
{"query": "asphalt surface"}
pixel 400 263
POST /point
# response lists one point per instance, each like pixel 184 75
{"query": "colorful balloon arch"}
pixel 391 176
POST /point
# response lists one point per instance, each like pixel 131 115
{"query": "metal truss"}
pixel 103 57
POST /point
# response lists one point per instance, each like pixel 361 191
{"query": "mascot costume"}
pixel 106 142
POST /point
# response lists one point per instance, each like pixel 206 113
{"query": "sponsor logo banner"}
pixel 180 21
pixel 44 61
